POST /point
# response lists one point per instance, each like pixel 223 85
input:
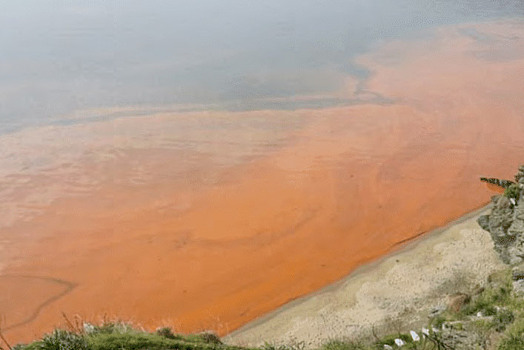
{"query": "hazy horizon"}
pixel 60 57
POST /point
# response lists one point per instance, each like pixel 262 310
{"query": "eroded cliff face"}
pixel 505 223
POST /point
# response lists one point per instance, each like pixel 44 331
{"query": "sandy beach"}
pixel 394 292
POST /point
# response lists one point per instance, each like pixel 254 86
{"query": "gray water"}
pixel 57 57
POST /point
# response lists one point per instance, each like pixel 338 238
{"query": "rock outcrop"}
pixel 519 178
pixel 455 337
pixel 498 182
pixel 457 301
pixel 505 223
pixel 517 275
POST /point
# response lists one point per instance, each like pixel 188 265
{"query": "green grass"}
pixel 496 296
pixel 344 345
pixel 513 337
pixel 502 312
pixel 119 336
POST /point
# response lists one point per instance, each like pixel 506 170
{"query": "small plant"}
pixel 502 319
pixel 390 339
pixel 439 321
pixel 342 345
pixel 62 340
pixel 269 346
pixel 166 332
pixel 513 191
pixel 210 338
pixel 488 302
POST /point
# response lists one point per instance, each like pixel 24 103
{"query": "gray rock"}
pixel 517 226
pixel 454 337
pixel 505 223
pixel 503 202
pixel 520 175
pixel 483 221
pixel 513 259
pixel 495 198
pixel 517 274
pixel 437 310
pixel 497 182
pixel 518 288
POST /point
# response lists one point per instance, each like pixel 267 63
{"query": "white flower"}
pixel 388 347
pixel 435 330
pixel 414 335
pixel 88 328
pixel 399 342
pixel 425 331
pixel 512 200
pixel 479 314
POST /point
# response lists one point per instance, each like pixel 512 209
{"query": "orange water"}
pixel 207 220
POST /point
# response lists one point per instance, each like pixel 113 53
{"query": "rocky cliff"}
pixel 505 223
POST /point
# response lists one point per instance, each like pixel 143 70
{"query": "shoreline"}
pixel 278 325
pixel 156 217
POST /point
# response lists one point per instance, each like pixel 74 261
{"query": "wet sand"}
pixel 396 292
pixel 208 220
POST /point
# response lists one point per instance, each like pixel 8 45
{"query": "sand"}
pixel 398 291
pixel 208 220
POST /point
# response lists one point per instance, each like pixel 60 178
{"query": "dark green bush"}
pixel 210 338
pixel 502 319
pixel 166 332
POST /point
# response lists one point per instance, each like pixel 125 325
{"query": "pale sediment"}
pixel 396 291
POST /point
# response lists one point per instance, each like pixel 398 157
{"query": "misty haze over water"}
pixel 57 57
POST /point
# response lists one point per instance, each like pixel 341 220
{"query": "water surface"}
pixel 200 164
pixel 59 58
